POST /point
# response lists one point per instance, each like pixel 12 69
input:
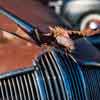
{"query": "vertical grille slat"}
pixel 19 88
pixel 13 84
pixel 41 85
pixel 48 80
pixel 10 86
pixel 22 86
pixel 54 78
pixel 51 77
pixel 6 91
pixel 26 86
pixel 75 77
pixel 74 84
pixel 45 83
pixel 64 74
pixel 87 88
pixel 31 88
pixel 37 91
pixel 58 78
pixel 58 74
pixel 2 92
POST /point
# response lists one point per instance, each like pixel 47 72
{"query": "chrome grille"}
pixel 23 86
pixel 57 76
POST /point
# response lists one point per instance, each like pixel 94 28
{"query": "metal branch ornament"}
pixel 62 37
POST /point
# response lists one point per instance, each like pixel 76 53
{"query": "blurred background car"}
pixel 79 13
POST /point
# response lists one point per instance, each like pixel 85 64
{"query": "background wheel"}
pixel 90 21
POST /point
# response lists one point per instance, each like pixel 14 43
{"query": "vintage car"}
pixel 55 74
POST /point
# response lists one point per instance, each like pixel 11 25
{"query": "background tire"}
pixel 87 19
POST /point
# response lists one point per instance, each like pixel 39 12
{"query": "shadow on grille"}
pixel 56 76
pixel 92 81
